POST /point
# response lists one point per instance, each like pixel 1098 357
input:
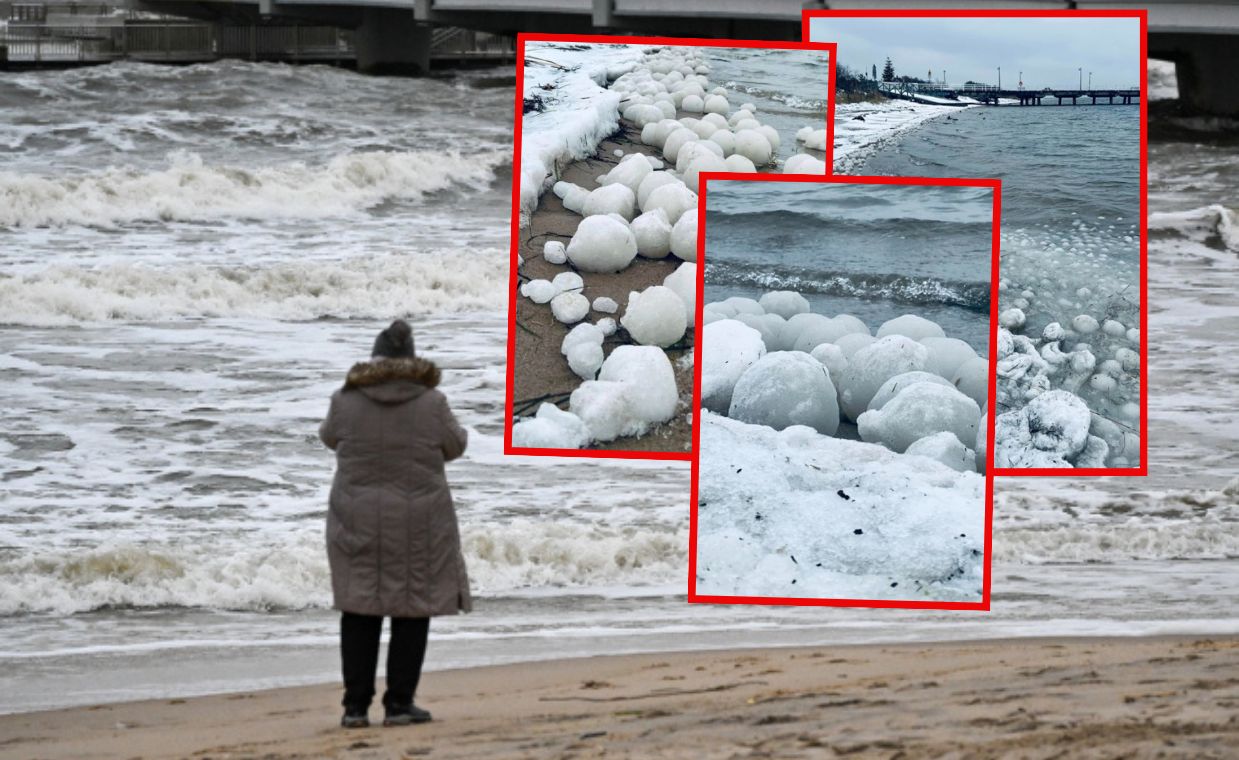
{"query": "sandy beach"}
pixel 1042 698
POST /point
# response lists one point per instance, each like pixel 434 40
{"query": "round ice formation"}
pixel 693 104
pixel 573 196
pixel 769 325
pixel 728 348
pixel 653 181
pixel 605 305
pixel 972 379
pixel 684 282
pixel 946 354
pixel 605 409
pixel 1053 331
pixel 806 332
pixel 569 308
pixel 1114 328
pixel 873 365
pixel 1012 319
pixel 1084 324
pixel 629 172
pixel 739 164
pixel 726 140
pixel 919 410
pixel 717 104
pixel 673 199
pixel 582 334
pixel 568 281
pixel 611 199
pixel 831 357
pixel 785 303
pixel 677 140
pixel 754 146
pixel 803 163
pixel 814 139
pixel 584 359
pixel 554 252
pixel 772 136
pixel 652 232
pixel 945 448
pixel 786 388
pixel 602 244
pixel 742 305
pixel 642 114
pixel 607 326
pixel 1051 431
pixel 911 326
pixel 707 162
pixel 539 291
pixel 898 383
pixel 648 373
pixel 684 237
pixel 551 428
pixel 655 317
pixel 852 342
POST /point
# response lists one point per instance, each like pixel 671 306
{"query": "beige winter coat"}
pixel 392 539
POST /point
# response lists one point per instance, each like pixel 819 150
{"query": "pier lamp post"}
pixel 999 77
pixel 1090 81
pixel 1081 70
pixel 1021 80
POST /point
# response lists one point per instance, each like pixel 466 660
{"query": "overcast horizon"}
pixel 1050 52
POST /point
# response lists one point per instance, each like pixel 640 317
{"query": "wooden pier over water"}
pixel 993 95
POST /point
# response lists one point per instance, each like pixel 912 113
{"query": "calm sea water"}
pixel 189 260
pixel 873 251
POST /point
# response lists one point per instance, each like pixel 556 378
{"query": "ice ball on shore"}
pixel 655 317
pixel 1084 324
pixel 683 281
pixel 786 388
pixel 1053 331
pixel 652 232
pixel 584 359
pixel 804 332
pixel 1128 359
pixel 852 342
pixel 944 447
pixel 754 146
pixel 972 379
pixel 676 141
pixel 870 367
pixel 568 281
pixel 629 172
pixel 919 410
pixel 892 387
pixel 911 326
pixel 550 428
pixel 602 244
pixel 583 333
pixel 724 139
pixel 650 183
pixel 684 237
pixel 830 355
pixel 739 116
pixel 946 354
pixel 573 196
pixel 539 291
pixel 1113 328
pixel 648 374
pixel 674 199
pixel 569 308
pixel 611 199
pixel 1133 336
pixel 728 348
pixel 785 303
pixel 607 326
pixel 693 104
pixel 813 139
pixel 605 305
pixel 717 104
pixel 803 163
pixel 1052 430
pixel 769 325
pixel 706 162
pixel 605 409
pixel 851 324
pixel 739 164
pixel 554 252
pixel 1012 319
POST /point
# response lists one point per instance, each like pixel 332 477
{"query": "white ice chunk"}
pixel 551 428
pixel 911 326
pixel 602 244
pixel 786 388
pixel 539 291
pixel 684 237
pixel 655 317
pixel 684 282
pixel 785 303
pixel 919 410
pixel 569 308
pixel 873 365
pixel 653 234
pixel 728 348
pixel 944 447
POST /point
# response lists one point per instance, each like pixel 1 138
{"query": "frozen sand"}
pixel 1115 697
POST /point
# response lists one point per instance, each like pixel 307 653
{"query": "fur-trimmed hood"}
pixel 393 381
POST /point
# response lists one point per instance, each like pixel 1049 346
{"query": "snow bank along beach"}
pixel 1069 300
pixel 839 460
pixel 149 365
pixel 613 140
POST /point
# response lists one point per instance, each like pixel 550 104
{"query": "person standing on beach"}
pixel 392 537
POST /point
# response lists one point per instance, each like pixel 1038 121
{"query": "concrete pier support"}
pixel 1206 72
pixel 391 41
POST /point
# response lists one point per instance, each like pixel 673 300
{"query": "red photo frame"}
pixel 984 604
pixel 521 39
pixel 1143 15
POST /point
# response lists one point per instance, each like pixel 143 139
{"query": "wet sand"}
pixel 1034 698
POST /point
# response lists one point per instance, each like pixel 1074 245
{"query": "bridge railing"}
pixel 183 42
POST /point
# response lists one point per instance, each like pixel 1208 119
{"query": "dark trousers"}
pixel 359 650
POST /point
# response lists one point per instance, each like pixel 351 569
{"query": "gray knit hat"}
pixel 396 342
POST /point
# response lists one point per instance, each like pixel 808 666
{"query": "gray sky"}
pixel 1048 50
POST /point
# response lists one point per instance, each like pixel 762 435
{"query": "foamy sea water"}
pixel 186 272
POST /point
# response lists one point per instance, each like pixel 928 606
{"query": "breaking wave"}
pixel 363 287
pixel 292 573
pixel 190 190
pixel 974 296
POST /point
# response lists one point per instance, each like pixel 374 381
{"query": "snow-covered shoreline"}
pixel 863 128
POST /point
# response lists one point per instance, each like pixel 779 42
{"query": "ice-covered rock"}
pixel 683 281
pixel 652 232
pixel 919 410
pixel 786 388
pixel 944 447
pixel 911 326
pixel 570 307
pixel 728 348
pixel 785 303
pixel 870 367
pixel 655 317
pixel 602 244
pixel 550 428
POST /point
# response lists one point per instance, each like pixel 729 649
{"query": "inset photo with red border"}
pixel 845 359
pixel 612 135
pixel 1054 103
